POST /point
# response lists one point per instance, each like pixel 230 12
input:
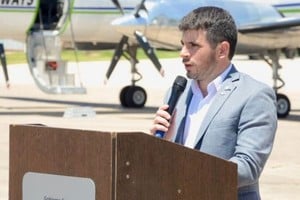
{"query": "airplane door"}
pixel 51 15
pixel 17 17
pixel 43 44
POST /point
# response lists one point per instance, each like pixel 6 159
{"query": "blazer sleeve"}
pixel 256 133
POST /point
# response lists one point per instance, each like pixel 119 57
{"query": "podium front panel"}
pixel 149 168
pixel 57 151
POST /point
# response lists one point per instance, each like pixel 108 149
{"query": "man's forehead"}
pixel 193 35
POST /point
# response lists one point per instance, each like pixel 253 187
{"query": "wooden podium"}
pixel 123 166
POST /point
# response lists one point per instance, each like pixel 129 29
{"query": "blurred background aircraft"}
pixel 48 26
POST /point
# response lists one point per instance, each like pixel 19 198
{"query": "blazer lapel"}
pixel 228 87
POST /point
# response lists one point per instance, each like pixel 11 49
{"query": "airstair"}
pixel 51 73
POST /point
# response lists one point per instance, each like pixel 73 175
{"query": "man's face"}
pixel 198 56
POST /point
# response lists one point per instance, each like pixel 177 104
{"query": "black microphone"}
pixel 177 89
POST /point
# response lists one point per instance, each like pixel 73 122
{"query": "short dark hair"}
pixel 218 23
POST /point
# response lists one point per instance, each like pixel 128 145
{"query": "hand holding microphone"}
pixel 177 89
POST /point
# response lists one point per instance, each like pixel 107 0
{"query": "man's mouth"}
pixel 187 65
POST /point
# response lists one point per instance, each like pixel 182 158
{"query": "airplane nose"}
pixel 128 24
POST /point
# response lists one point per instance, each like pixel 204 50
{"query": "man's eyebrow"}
pixel 190 42
pixel 194 43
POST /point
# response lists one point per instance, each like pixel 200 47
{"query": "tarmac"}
pixel 24 103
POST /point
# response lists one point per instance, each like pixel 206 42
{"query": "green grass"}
pixel 19 57
pixel 15 57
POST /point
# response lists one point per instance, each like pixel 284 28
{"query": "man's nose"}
pixel 184 52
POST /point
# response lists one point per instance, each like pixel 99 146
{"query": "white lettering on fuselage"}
pixel 16 2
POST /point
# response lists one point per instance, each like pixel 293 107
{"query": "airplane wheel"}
pixel 123 93
pixel 290 53
pixel 133 96
pixel 283 106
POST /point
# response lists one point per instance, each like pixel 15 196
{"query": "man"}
pixel 222 112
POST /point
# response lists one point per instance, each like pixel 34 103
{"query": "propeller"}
pixel 118 5
pixel 141 6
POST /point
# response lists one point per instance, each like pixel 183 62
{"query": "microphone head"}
pixel 180 82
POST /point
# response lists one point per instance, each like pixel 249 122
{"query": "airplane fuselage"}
pixel 79 20
pixel 16 18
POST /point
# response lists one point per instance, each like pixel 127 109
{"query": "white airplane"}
pixel 47 25
pixel 261 29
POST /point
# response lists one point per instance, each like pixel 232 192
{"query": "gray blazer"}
pixel 240 126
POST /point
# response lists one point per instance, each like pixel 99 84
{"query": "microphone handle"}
pixel 177 89
pixel 172 103
pixel 159 134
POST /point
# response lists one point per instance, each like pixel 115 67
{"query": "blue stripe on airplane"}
pixel 287 5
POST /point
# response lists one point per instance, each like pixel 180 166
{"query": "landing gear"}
pixel 283 103
pixel 133 96
pixel 4 64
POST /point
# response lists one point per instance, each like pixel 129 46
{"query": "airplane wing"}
pixel 281 24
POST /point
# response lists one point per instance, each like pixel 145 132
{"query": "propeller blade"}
pixel 118 5
pixel 141 6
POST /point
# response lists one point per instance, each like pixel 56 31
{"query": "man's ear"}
pixel 223 49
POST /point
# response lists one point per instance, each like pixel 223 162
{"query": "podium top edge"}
pixel 42 126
